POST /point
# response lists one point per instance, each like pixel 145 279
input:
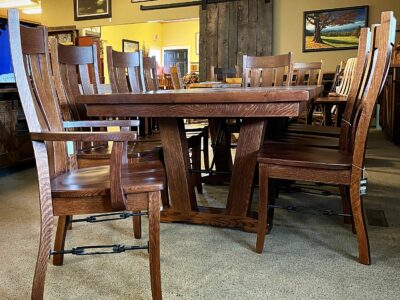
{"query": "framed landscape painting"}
pixel 333 29
pixel 92 9
pixel 130 46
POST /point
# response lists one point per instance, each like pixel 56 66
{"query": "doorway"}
pixel 176 57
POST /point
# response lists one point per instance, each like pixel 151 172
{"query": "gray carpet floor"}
pixel 307 256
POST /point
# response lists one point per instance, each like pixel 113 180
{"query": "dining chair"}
pixel 343 167
pixel 220 74
pixel 64 190
pixel 71 66
pixel 262 71
pixel 307 74
pixel 337 98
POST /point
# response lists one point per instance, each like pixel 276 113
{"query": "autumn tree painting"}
pixel 333 29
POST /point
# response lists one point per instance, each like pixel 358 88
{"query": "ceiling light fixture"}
pixel 12 4
pixel 32 11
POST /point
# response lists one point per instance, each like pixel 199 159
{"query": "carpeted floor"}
pixel 307 256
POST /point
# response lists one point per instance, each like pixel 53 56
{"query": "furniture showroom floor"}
pixel 306 256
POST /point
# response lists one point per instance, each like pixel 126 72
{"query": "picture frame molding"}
pixel 366 9
pixel 92 17
pixel 130 41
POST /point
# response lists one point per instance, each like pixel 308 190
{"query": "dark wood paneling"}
pixel 230 30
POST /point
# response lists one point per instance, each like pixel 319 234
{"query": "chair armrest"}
pixel 331 100
pixel 101 123
pixel 121 136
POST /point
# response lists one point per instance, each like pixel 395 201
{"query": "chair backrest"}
pixel 150 73
pixel 343 88
pixel 31 63
pixel 372 84
pixel 336 77
pixel 176 78
pixel 125 71
pixel 267 70
pixel 307 73
pixel 220 74
pixel 363 56
pixel 76 65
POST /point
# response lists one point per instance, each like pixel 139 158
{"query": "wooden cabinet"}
pixel 15 142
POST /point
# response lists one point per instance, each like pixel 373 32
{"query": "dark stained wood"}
pixel 172 105
pixel 63 190
pixel 342 167
pixel 230 30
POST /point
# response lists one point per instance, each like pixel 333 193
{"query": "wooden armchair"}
pixel 344 167
pixel 64 190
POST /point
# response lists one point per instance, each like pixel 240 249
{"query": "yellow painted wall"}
pixel 288 26
pixel 144 32
pixel 168 34
pixel 61 13
pixel 182 34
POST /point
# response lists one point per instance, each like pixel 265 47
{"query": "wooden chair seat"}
pixel 332 100
pixel 314 130
pixel 307 140
pixel 303 156
pixel 137 178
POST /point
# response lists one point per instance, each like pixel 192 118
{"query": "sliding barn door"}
pixel 230 30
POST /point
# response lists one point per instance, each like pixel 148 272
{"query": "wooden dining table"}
pixel 252 105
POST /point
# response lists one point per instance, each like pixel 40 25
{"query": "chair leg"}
pixel 46 230
pixel 263 207
pixel 196 165
pixel 359 223
pixel 137 226
pixel 345 195
pixel 154 244
pixel 310 113
pixel 59 243
pixel 205 149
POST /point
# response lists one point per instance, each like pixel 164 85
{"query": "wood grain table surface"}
pixel 171 106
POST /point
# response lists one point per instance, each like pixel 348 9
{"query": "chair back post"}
pixel 267 70
pixel 150 73
pixel 375 77
pixel 359 70
pixel 125 70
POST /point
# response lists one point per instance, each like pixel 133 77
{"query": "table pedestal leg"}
pixel 176 158
pixel 251 138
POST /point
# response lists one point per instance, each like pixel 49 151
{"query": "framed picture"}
pixel 130 46
pixel 333 29
pixel 197 41
pixel 92 9
pixel 92 31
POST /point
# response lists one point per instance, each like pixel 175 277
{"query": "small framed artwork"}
pixel 92 31
pixel 92 9
pixel 130 46
pixel 333 29
pixel 197 41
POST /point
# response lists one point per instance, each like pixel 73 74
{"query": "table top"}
pixel 208 96
pixel 214 84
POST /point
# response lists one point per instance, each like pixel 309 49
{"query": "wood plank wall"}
pixel 230 30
